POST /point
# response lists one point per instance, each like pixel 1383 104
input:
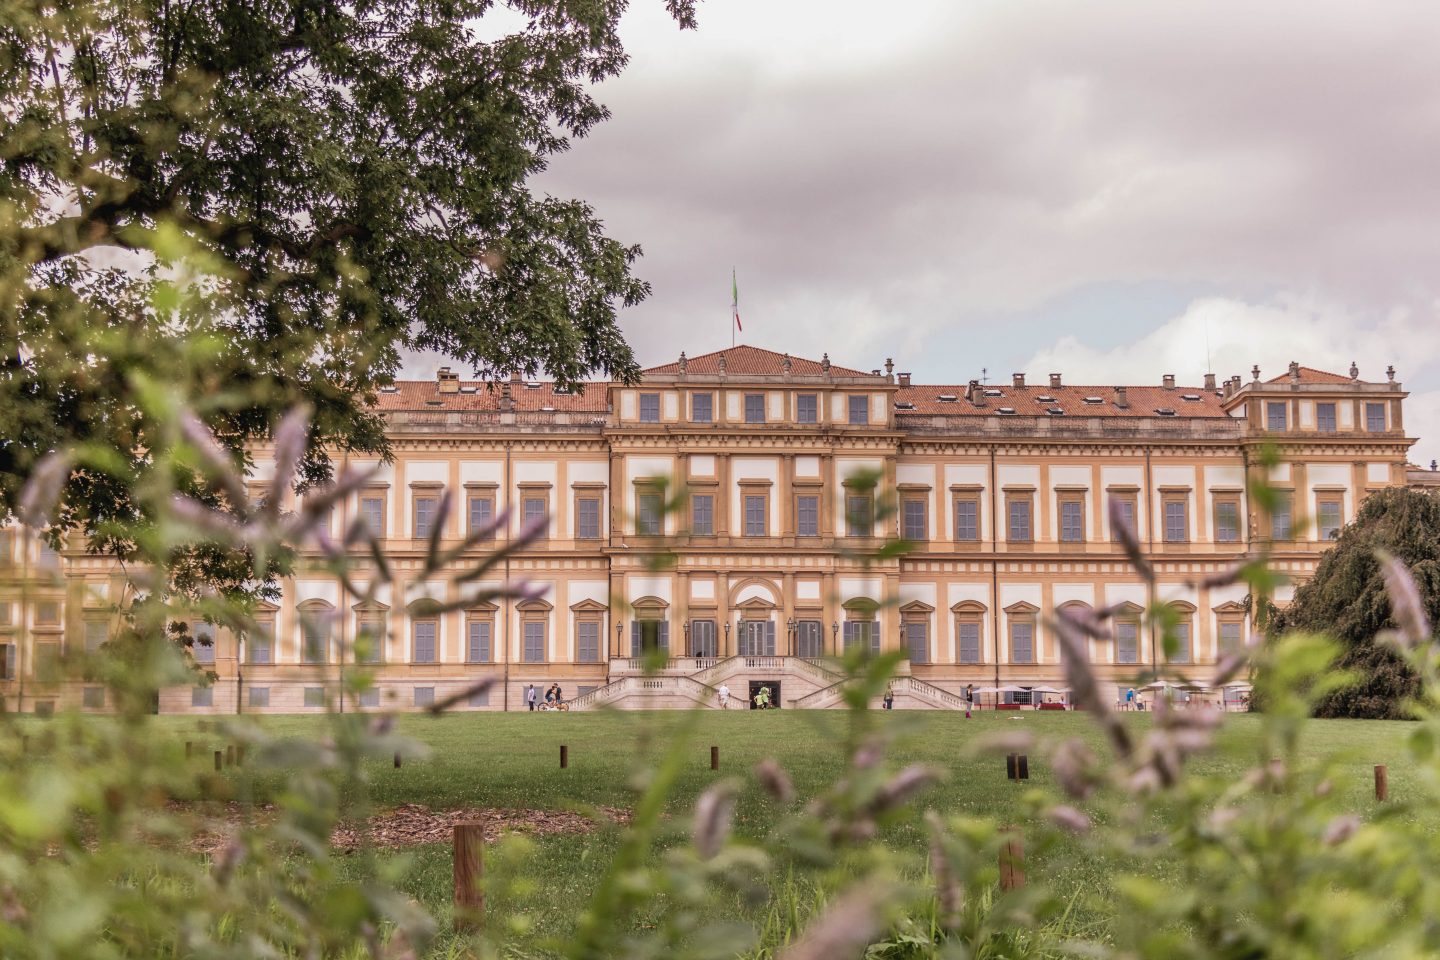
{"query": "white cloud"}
pixel 1239 334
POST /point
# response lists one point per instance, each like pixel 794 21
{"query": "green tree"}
pixel 360 177
pixel 1346 599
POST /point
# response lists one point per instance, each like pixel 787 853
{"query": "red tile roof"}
pixel 1311 375
pixel 1026 402
pixel 745 359
pixel 414 394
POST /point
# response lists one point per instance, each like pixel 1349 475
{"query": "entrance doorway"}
pixel 810 639
pixel 774 686
pixel 757 638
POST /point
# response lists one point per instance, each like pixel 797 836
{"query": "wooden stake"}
pixel 469 858
pixel 189 749
pixel 564 756
pixel 240 755
pixel 1382 782
pixel 219 760
pixel 1017 766
pixel 230 755
pixel 1012 861
pixel 714 758
pixel 397 761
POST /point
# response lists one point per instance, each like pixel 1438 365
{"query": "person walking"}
pixel 724 694
pixel 530 696
pixel 969 699
pixel 1130 699
pixel 889 700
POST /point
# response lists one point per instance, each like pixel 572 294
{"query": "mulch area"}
pixel 412 824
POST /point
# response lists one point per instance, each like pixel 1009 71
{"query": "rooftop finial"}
pixel 1354 371
pixel 785 364
pixel 825 363
pixel 889 366
pixel 1294 371
pixel 684 361
pixel 1390 372
pixel 722 364
pixel 1255 373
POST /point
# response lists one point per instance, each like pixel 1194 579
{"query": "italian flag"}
pixel 735 299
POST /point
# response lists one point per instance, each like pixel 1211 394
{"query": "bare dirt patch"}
pixel 412 824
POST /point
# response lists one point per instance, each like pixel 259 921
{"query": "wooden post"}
pixel 189 749
pixel 1382 782
pixel 714 758
pixel 469 858
pixel 219 760
pixel 1012 861
pixel 240 755
pixel 564 756
pixel 397 761
pixel 1017 766
pixel 230 755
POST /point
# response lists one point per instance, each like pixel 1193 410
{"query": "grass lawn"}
pixel 512 760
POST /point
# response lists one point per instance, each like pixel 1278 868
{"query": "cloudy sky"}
pixel 1110 190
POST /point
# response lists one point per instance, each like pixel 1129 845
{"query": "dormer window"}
pixel 468 389
pixel 1045 398
pixel 434 403
pixel 902 405
pixel 1055 412
pixel 1192 397
pixel 1093 399
pixel 993 393
pixel 390 388
pixel 1006 410
pixel 1165 412
pixel 947 398
pixel 532 385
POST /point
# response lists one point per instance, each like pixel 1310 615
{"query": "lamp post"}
pixel 619 634
pixel 790 627
pixel 835 637
pixel 728 648
pixel 685 629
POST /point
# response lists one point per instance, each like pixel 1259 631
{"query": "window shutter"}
pixel 10 660
pixel 769 638
pixel 635 650
pixel 665 635
pixel 849 633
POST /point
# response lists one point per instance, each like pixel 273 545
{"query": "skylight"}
pixel 1055 412
pixel 1192 397
pixel 1165 412
pixel 1007 410
pixel 1045 398
pixel 993 393
pixel 390 388
pixel 948 398
pixel 902 405
pixel 467 389
pixel 532 385
pixel 1094 399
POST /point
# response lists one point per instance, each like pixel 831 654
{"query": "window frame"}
pixel 1025 499
pixel 1131 620
pixel 1175 498
pixel 1370 407
pixel 198 630
pixel 1014 622
pixel 647 496
pixel 859 513
pixel 589 619
pixel 857 409
pixel 532 496
pixel 909 621
pixel 645 399
pixel 1285 498
pixel 415 624
pixel 539 619
pixel 746 411
pixel 970 618
pixel 376 530
pixel 692 638
pixel 814 412
pixel 1334 416
pixel 1229 499
pixel 370 623
pixel 1271 407
pixel 264 628
pixel 1071 499
pixel 476 619
pixel 706 529
pixel 432 500
pixel 709 399
pixel 486 501
pixel 763 499
pixel 1323 499
pixel 582 498
pixel 971 499
pixel 813 499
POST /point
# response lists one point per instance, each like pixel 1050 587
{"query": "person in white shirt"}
pixel 724 692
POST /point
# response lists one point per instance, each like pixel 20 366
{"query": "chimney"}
pixel 975 393
pixel 515 376
pixel 1229 388
pixel 1017 379
pixel 904 379
pixel 1294 372
pixel 1054 381
pixel 1121 400
pixel 447 381
pixel 1209 381
pixel 507 399
pixel 1168 381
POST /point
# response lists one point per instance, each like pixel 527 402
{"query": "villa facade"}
pixel 750 473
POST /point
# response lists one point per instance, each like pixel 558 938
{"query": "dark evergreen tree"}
pixel 1346 599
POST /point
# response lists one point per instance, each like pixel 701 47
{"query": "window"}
pixel 93 698
pixel 202 632
pixel 369 640
pixel 587 518
pixel 587 640
pixel 480 698
pixel 807 515
pixel 372 513
pixel 1275 416
pixel 1232 635
pixel 423 634
pixel 649 634
pixel 478 634
pixel 1329 516
pixel 649 408
pixel 7 662
pixel 1022 641
pixel 370 697
pixel 702 515
pixel 810 639
pixel 915 525
pixel 260 644
pixel 862 633
pixel 859 410
pixel 1124 505
pixel 6 613
pixel 1325 417
pixel 807 408
pixel 754 408
pixel 534 633
pixel 702 407
pixel 967 518
pixel 425 508
pixel 1375 417
pixel 47 613
pixel 702 639
pixel 424 696
pixel 1127 641
pixel 202 696
pixel 535 510
pixel 482 515
pixel 259 696
pixel 314 696
pixel 1177 520
pixel 97 632
pixel 917 639
pixel 1282 521
pixel 757 638
pixel 47 661
pixel 756 515
pixel 1072 518
pixel 648 519
pixel 967 633
pixel 859 515
pixel 46 556
pixel 314 637
pixel 1227 518
pixel 1182 641
pixel 1017 509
